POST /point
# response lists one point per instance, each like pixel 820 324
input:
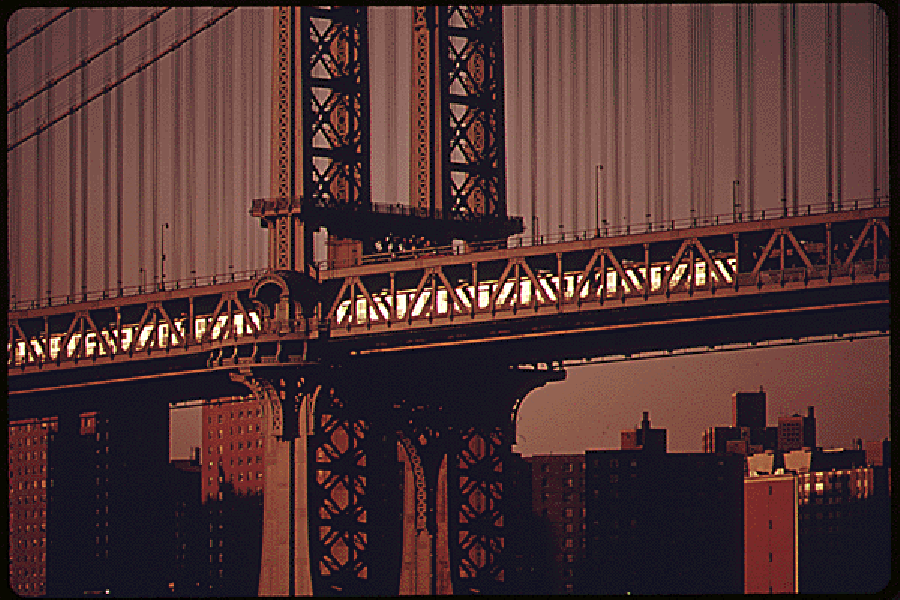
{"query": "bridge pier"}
pixel 383 480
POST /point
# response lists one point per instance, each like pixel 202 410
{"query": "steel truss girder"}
pixel 601 273
pixel 598 274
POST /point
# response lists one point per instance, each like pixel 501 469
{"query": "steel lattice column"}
pixel 320 120
pixel 471 50
pixel 335 101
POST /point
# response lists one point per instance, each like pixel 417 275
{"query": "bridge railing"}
pixel 136 290
pixel 518 241
pixel 604 230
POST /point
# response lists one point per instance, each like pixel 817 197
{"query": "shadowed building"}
pixel 663 523
pixel 557 500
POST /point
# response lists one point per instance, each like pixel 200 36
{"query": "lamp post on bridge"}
pixel 162 245
pixel 735 205
pixel 599 202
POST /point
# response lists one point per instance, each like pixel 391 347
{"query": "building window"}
pixel 543 482
pixel 570 527
pixel 770 557
pixel 567 497
pixel 570 543
pixel 613 478
pixel 770 523
pixel 570 512
pixel 545 496
pixel 569 482
pixel 545 468
pixel 770 490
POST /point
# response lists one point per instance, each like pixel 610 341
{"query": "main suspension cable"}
pixel 72 110
pixel 119 40
pixel 39 29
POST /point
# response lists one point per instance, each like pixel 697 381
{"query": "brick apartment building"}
pixel 87 510
pixel 232 471
pixel 557 502
pixel 29 479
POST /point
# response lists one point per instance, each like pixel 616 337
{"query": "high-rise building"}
pixel 749 409
pixel 643 437
pixel 232 479
pixel 558 503
pixel 797 432
pixel 771 534
pixel 75 482
pixel 190 531
pixel 748 432
pixel 663 523
pixel 30 476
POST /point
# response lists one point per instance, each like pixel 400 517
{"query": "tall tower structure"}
pixel 347 445
pixel 457 120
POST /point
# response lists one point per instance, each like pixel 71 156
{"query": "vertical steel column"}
pixel 334 96
pixel 425 187
pixel 471 75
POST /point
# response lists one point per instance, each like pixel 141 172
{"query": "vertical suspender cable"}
pixel 627 105
pixel 84 160
pixel 882 137
pixel 711 117
pixel 617 154
pixel 212 187
pixel 532 28
pixel 120 156
pixel 782 10
pixel 245 153
pixel 546 83
pixel 559 119
pixel 573 116
pixel 262 173
pixel 750 175
pixel 839 111
pixel 829 114
pixel 874 35
pixel 738 99
pixel 15 255
pixel 585 111
pixel 176 153
pixel 155 171
pixel 692 119
pixel 657 117
pixel 38 179
pixel 73 164
pixel 586 123
pixel 647 108
pixel 604 117
pixel 795 115
pixel 142 93
pixel 191 171
pixel 228 205
pixel 668 113
pixel 48 68
pixel 107 117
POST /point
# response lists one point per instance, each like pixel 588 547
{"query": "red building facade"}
pixel 771 534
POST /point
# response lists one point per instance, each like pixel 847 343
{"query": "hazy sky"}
pixel 554 73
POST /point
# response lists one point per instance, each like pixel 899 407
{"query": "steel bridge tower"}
pixel 351 445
